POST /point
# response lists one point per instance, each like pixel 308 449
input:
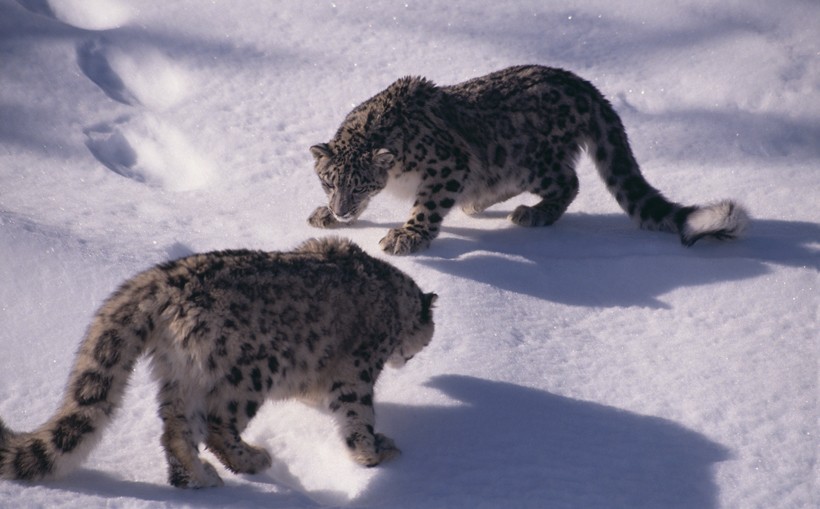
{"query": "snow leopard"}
pixel 483 141
pixel 224 331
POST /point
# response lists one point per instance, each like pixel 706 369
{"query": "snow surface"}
pixel 589 364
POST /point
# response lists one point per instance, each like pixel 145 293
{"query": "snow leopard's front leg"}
pixel 352 407
pixel 227 418
pixel 436 197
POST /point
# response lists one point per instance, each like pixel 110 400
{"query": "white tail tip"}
pixel 724 220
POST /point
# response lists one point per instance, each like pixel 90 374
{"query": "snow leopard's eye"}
pixel 360 189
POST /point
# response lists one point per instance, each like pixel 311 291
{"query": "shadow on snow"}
pixel 511 446
pixel 604 260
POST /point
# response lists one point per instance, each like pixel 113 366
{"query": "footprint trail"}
pixel 144 146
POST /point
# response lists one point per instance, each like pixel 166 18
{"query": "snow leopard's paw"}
pixel 401 241
pixel 322 217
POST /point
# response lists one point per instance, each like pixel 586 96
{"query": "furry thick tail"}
pixel 609 148
pixel 114 341
pixel 724 220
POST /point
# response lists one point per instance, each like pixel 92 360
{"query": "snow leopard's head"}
pixel 351 177
pixel 414 341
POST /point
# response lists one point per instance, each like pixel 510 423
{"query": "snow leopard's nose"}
pixel 341 208
pixel 337 206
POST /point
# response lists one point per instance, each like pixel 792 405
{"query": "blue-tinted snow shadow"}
pixel 506 445
pixel 604 260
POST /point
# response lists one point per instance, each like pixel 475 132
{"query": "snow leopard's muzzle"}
pixel 346 207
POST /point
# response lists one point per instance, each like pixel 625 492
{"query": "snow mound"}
pixel 86 14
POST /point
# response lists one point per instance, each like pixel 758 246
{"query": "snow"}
pixel 588 364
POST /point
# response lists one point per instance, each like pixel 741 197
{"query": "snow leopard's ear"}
pixel 321 150
pixel 383 158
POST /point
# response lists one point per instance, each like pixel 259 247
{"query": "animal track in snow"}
pixel 93 61
pixel 107 143
pixel 149 151
pixel 141 147
pixel 136 75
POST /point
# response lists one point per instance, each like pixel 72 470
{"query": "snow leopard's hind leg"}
pixel 556 191
pixel 183 426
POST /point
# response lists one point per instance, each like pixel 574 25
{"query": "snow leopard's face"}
pixel 351 178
